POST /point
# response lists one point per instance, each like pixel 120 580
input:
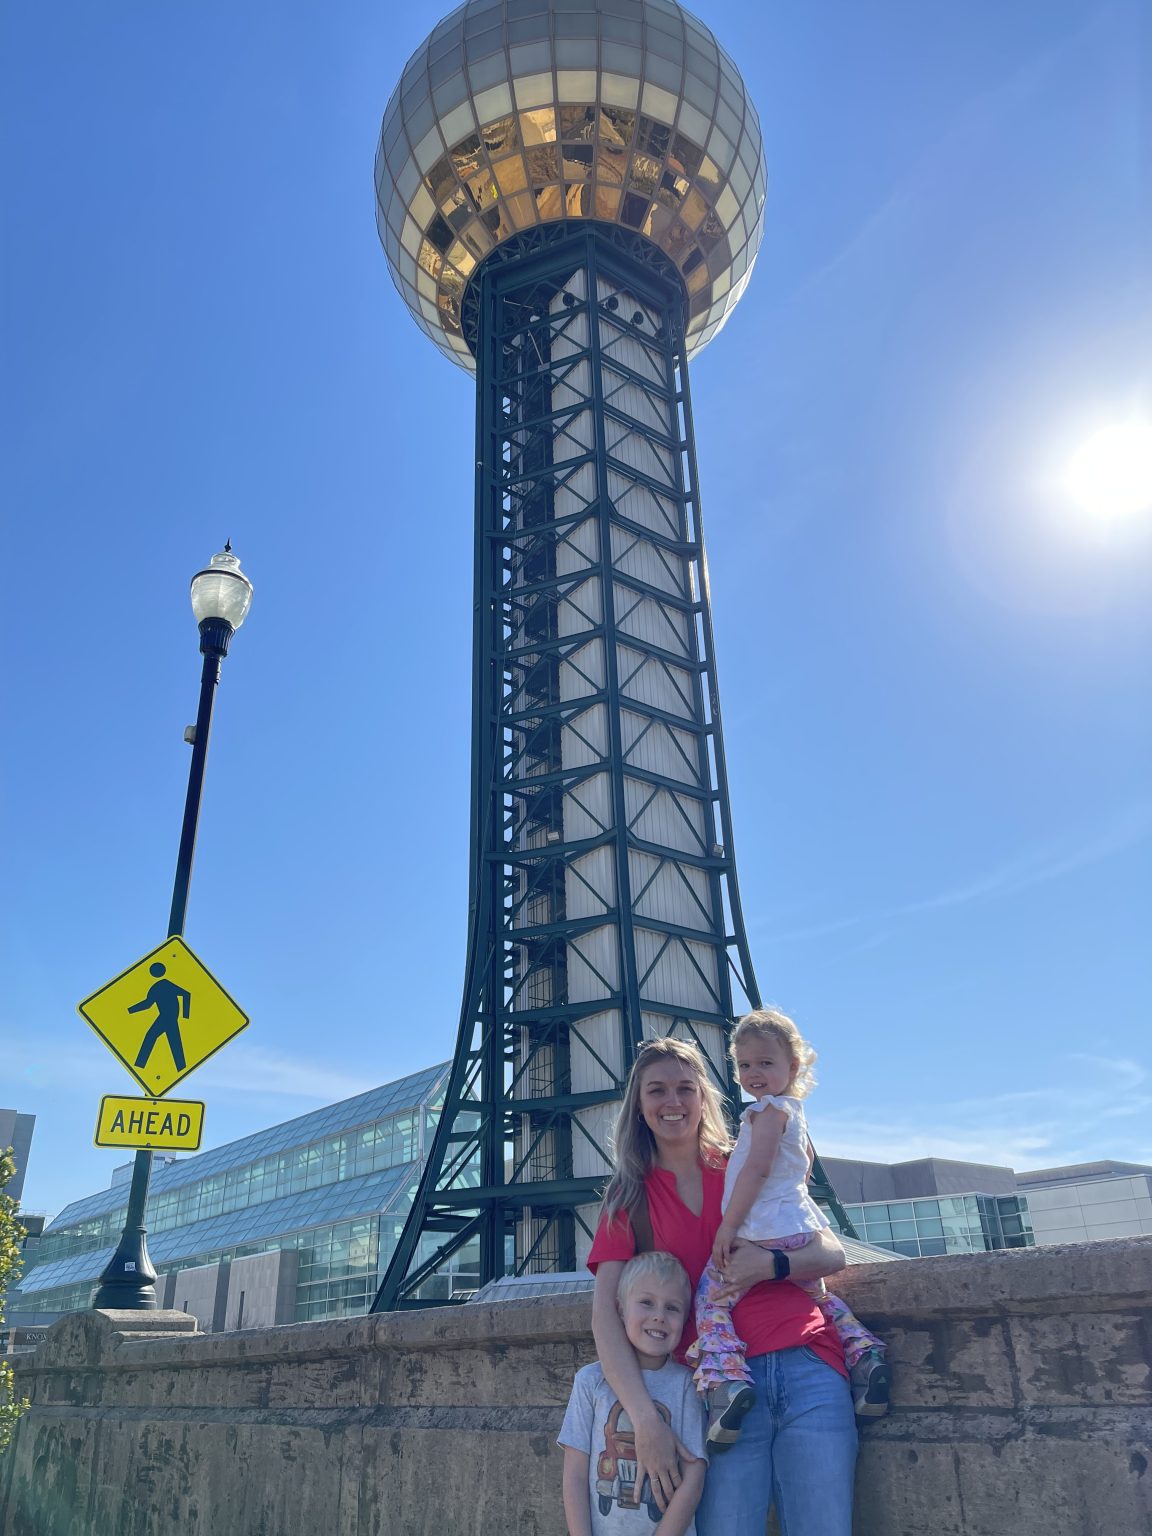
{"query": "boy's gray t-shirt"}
pixel 597 1424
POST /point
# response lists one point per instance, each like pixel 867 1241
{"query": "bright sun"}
pixel 1111 475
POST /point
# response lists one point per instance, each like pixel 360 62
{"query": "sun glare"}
pixel 1111 474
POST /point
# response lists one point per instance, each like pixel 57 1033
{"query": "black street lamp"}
pixel 221 594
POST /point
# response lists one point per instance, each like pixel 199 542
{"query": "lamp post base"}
pixel 128 1283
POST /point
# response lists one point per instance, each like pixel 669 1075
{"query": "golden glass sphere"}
pixel 515 113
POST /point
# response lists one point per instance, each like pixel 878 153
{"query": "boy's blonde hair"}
pixel 773 1024
pixel 654 1266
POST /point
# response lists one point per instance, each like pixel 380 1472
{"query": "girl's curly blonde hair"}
pixel 770 1022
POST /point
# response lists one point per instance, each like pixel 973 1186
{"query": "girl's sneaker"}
pixel 871 1386
pixel 727 1405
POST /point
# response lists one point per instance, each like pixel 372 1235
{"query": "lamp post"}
pixel 221 595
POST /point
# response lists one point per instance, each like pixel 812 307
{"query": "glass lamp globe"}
pixel 221 590
pixel 512 115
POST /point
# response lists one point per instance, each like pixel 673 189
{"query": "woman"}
pixel 798 1442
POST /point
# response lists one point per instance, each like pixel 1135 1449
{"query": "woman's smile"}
pixel 670 1101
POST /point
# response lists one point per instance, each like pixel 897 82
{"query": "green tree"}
pixel 11 1236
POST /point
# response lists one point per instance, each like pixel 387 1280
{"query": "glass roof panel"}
pixel 664 48
pixel 439 69
pixel 450 94
pixel 363 1109
pixel 528 29
pixel 364 1196
pixel 575 53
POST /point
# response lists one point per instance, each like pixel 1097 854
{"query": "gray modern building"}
pixel 16 1132
pixel 291 1224
pixel 1087 1201
pixel 933 1205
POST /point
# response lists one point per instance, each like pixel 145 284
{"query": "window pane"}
pixel 962 1245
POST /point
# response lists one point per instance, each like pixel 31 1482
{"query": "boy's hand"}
pixel 722 1247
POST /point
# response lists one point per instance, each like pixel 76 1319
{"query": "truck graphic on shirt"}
pixel 616 1466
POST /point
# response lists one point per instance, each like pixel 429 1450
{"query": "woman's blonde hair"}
pixel 634 1144
pixel 771 1023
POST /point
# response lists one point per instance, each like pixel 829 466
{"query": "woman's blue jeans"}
pixel 797 1448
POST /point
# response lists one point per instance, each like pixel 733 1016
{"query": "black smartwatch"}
pixel 781 1264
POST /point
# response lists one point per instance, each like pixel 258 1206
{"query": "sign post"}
pixel 220 597
pixel 161 1018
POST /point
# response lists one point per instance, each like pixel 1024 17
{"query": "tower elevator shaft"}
pixel 603 902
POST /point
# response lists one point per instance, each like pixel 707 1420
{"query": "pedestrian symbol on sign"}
pixel 171 1004
pixel 167 996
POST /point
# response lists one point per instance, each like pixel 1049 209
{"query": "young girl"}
pixel 766 1202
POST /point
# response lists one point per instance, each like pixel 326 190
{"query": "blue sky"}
pixel 936 672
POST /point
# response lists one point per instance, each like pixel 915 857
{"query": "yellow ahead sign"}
pixel 173 1125
pixel 164 1016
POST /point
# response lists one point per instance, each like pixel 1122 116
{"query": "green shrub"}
pixel 11 1237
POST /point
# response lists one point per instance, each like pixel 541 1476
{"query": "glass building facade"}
pixel 925 1228
pixel 335 1185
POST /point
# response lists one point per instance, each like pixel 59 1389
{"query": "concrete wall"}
pixel 1023 1407
pixel 201 1291
pixel 262 1290
pixel 253 1292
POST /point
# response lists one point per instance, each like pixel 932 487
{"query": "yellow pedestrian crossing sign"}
pixel 164 1016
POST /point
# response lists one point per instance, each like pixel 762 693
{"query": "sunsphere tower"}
pixel 570 194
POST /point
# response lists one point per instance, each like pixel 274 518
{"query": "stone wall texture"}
pixel 1022 1407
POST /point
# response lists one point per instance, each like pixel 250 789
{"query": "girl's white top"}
pixel 783 1206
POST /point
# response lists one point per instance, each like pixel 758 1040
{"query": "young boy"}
pixel 600 1493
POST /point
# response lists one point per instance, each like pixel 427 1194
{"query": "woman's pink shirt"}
pixel 773 1315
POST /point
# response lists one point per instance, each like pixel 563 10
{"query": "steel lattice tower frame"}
pixel 570 199
pixel 603 898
